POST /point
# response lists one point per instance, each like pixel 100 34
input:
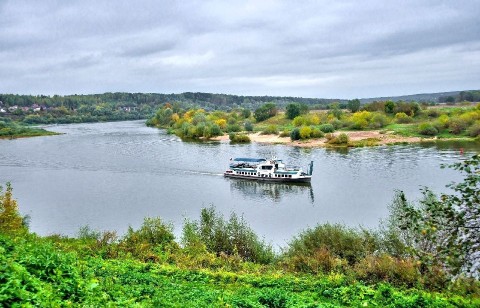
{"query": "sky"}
pixel 321 49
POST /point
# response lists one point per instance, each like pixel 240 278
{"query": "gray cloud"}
pixel 308 48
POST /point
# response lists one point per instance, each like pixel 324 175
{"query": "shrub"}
pixel 10 220
pixel 239 138
pixel 378 121
pixel 442 122
pixel 457 125
pixel 427 129
pixel 270 130
pixel 341 139
pixel 474 130
pixel 295 134
pixel 316 133
pixel 299 121
pixel 327 128
pixel 360 120
pixel 373 269
pixel 233 128
pixel 248 125
pixel 305 132
pixel 232 237
pixel 285 133
pixel 403 118
pixel 336 123
pixel 338 240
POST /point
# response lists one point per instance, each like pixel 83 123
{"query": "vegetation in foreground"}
pixel 425 255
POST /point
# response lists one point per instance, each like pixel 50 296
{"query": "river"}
pixel 111 175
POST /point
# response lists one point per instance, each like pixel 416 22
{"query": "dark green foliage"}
pixel 427 129
pixel 295 134
pixel 248 126
pixel 293 110
pixel 327 128
pixel 246 113
pixel 389 107
pixel 338 240
pixel 353 105
pixel 265 112
pixel 232 237
pixel 239 138
pixel 233 128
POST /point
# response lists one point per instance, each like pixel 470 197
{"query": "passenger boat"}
pixel 272 170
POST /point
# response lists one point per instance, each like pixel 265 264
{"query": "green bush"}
pixel 427 129
pixel 233 128
pixel 403 118
pixel 474 130
pixel 239 138
pixel 340 241
pixel 316 133
pixel 457 125
pixel 327 128
pixel 232 237
pixel 270 130
pixel 378 121
pixel 305 132
pixel 248 126
pixel 341 139
pixel 295 134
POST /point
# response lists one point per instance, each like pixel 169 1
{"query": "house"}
pixel 12 108
pixel 2 110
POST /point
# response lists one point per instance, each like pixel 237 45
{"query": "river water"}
pixel 112 175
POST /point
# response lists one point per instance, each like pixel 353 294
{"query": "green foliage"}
pixel 389 107
pixel 239 138
pixel 270 130
pixel 403 118
pixel 444 231
pixel 474 130
pixel 295 134
pixel 353 105
pixel 246 113
pixel 340 241
pixel 248 126
pixel 427 129
pixel 232 237
pixel 265 112
pixel 305 132
pixel 340 139
pixel 295 109
pixel 10 220
pixel 327 128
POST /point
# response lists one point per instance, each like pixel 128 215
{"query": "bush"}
pixel 457 126
pixel 295 134
pixel 233 128
pixel 403 118
pixel 299 121
pixel 338 240
pixel 316 133
pixel 10 220
pixel 327 128
pixel 285 133
pixel 474 130
pixel 341 139
pixel 232 237
pixel 239 138
pixel 427 129
pixel 378 121
pixel 270 130
pixel 248 125
pixel 305 132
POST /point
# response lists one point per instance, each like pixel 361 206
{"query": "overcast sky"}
pixel 326 49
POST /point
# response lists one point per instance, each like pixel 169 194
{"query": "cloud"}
pixel 308 48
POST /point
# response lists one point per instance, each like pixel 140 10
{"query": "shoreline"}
pixel 356 138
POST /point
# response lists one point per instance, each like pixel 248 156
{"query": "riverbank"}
pixel 356 138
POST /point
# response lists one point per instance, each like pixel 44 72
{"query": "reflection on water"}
pixel 272 191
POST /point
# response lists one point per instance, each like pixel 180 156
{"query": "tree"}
pixel 389 107
pixel 446 230
pixel 10 220
pixel 292 111
pixel 354 105
pixel 265 112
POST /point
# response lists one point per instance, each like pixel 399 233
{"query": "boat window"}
pixel 267 167
pixel 289 175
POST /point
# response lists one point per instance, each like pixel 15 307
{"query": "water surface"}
pixel 112 175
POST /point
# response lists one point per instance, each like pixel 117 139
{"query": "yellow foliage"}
pixel 175 117
pixel 10 219
pixel 222 123
pixel 305 132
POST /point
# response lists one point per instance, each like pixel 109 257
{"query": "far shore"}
pixel 374 137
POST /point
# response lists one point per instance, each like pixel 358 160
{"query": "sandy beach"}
pixel 354 136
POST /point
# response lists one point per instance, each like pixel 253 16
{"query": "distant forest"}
pixel 42 109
